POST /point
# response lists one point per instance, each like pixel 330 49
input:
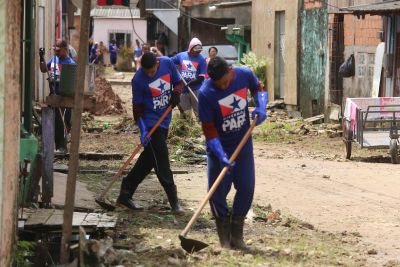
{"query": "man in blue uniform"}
pixel 193 68
pixel 223 111
pixel 155 86
pixel 53 68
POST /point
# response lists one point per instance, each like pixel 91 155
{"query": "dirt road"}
pixel 336 196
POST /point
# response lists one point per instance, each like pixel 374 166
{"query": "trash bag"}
pixel 348 68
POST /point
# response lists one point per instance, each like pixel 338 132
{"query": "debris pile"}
pixel 127 125
pixel 186 140
pixel 282 124
pixel 107 102
pixel 89 124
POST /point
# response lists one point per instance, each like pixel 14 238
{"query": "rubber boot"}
pixel 224 231
pixel 172 195
pixel 125 200
pixel 237 224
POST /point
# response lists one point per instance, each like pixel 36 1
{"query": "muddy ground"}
pixel 311 207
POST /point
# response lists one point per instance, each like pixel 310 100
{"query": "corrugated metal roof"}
pixel 382 8
pixel 114 12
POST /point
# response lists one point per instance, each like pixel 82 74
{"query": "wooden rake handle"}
pixel 137 149
pixel 220 177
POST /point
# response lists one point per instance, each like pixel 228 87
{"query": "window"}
pixel 121 38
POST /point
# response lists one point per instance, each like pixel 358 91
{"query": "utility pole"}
pixel 75 133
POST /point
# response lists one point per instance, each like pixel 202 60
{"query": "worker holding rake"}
pixel 223 111
pixel 155 87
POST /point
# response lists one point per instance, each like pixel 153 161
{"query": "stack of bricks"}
pixel 362 32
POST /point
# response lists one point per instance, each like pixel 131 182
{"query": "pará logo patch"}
pixel 233 110
pixel 160 85
pixel 233 103
pixel 188 65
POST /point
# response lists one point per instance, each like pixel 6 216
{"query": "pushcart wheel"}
pixel 394 151
pixel 347 139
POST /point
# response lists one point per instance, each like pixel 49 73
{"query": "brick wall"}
pixel 362 32
pixel 309 4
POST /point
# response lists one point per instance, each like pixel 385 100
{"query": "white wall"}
pixel 103 26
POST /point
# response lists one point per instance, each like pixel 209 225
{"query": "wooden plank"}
pixel 94 156
pixel 75 134
pixel 39 217
pixel 58 101
pixel 48 154
pixel 55 219
pixel 91 219
pixel 78 218
pixel 315 118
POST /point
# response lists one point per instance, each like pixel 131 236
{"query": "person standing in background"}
pixel 113 52
pixel 193 68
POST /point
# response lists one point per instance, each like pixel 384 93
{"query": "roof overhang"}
pixel 216 3
pixel 381 9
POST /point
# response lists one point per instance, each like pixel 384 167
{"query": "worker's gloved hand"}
pixel 261 107
pixel 216 147
pixel 41 54
pixel 175 99
pixel 143 132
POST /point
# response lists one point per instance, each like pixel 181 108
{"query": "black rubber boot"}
pixel 237 224
pixel 125 200
pixel 172 195
pixel 224 231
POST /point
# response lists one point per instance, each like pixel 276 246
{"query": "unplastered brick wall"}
pixel 362 32
pixel 309 4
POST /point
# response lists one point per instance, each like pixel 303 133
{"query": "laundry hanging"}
pixel 113 2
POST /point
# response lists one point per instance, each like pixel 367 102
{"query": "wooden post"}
pixel 75 132
pixel 48 154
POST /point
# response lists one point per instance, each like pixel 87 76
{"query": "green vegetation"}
pixel 257 65
pixel 185 140
pixel 25 249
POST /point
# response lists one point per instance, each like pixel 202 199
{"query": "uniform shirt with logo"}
pixel 54 66
pixel 191 68
pixel 228 109
pixel 154 92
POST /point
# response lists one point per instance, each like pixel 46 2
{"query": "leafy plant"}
pixel 257 65
pixel 24 249
pixel 125 52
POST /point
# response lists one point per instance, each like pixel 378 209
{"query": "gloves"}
pixel 41 54
pixel 175 99
pixel 261 107
pixel 216 147
pixel 143 132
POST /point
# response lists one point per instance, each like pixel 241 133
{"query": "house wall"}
pixel 10 42
pixel 334 4
pixel 263 42
pixel 314 25
pixel 361 38
pixel 44 37
pixel 241 14
pixel 103 26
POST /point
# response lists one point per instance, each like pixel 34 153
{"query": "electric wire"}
pixel 133 25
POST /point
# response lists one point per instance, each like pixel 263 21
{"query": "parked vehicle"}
pixel 228 52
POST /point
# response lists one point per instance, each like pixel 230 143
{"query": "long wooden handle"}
pixel 219 179
pixel 190 90
pixel 137 149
